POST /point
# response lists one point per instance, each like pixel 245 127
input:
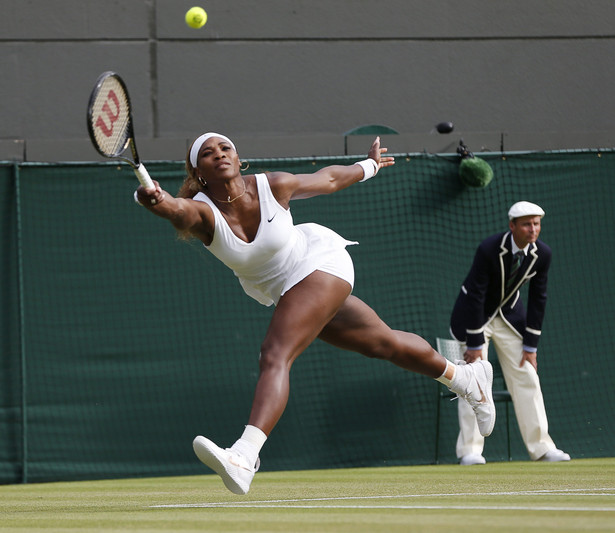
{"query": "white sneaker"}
pixel 478 394
pixel 553 456
pixel 472 459
pixel 232 467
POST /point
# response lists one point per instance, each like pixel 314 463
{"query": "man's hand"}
pixel 470 356
pixel 531 358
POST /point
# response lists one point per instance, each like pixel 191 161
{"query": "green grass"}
pixel 516 496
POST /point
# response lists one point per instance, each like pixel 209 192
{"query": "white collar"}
pixel 516 249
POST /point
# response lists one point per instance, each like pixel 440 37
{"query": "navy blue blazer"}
pixel 483 294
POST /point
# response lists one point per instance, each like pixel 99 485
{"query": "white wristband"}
pixel 137 198
pixel 370 168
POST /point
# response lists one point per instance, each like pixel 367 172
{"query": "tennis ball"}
pixel 196 17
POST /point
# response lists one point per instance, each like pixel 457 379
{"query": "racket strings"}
pixel 110 118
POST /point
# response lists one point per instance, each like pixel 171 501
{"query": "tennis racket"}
pixel 110 124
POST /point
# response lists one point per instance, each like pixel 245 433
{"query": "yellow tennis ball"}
pixel 196 17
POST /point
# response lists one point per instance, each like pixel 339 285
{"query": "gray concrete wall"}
pixel 289 77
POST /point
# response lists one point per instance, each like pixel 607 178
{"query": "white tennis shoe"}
pixel 479 395
pixel 472 459
pixel 554 456
pixel 232 467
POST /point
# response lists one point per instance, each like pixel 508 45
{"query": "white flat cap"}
pixel 524 209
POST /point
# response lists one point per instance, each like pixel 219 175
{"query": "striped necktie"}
pixel 514 269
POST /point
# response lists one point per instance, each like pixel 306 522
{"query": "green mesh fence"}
pixel 120 343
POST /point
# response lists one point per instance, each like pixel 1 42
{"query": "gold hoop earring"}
pixel 202 181
pixel 246 167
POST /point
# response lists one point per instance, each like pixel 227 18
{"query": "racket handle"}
pixel 143 177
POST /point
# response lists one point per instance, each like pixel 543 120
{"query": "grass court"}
pixel 508 496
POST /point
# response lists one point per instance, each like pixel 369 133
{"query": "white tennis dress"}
pixel 281 254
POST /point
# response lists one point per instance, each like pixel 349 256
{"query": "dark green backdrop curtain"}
pixel 120 342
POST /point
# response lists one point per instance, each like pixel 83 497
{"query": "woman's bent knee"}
pixel 270 359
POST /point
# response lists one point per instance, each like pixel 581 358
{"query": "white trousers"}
pixel 524 387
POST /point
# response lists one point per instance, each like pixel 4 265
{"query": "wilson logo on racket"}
pixel 111 115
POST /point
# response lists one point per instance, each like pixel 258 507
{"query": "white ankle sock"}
pixel 462 379
pixel 443 379
pixel 250 443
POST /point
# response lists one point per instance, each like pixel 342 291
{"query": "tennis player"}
pixel 306 272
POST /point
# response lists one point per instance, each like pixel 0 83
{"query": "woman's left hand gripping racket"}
pixel 110 123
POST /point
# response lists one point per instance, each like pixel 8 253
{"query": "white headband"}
pixel 196 145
